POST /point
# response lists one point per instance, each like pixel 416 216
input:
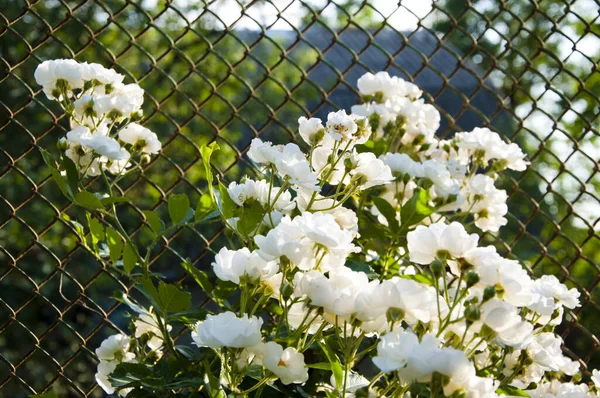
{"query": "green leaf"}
pixel 388 212
pixel 48 158
pixel 360 267
pixel 156 224
pixel 49 394
pixel 62 184
pixel 96 230
pixel 179 205
pixel 228 206
pixel 319 365
pixel 88 200
pixel 190 316
pixel 127 372
pixel 512 391
pixel 114 199
pixel 205 206
pixel 199 276
pixel 206 153
pixel 149 290
pixel 421 278
pixel 336 366
pixel 129 258
pixel 167 298
pixel 251 217
pixel 115 244
pixel 172 299
pixel 224 289
pixel 69 167
pixel 416 209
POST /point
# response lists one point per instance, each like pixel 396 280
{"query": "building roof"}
pixel 454 86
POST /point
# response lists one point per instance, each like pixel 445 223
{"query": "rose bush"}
pixel 355 267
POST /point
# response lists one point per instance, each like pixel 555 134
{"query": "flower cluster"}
pixel 119 348
pixel 102 113
pixel 357 246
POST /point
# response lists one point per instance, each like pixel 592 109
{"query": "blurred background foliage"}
pixel 209 79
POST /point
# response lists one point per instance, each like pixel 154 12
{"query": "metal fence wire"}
pixel 229 71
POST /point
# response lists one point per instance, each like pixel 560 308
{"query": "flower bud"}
pixel 349 164
pixel 62 144
pixel 488 293
pixel 437 267
pixel 144 159
pixel 472 278
pixel 472 314
pixel 286 290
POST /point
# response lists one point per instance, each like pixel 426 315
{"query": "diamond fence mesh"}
pixel 229 71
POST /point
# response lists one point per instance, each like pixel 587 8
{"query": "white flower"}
pixel 596 377
pixel 273 285
pixel 546 353
pixel 298 314
pixel 495 270
pixel 481 387
pixel 105 146
pixel 287 364
pixel 100 74
pixel 505 320
pixel 286 239
pixel 426 243
pixel 401 351
pixel 417 301
pixel 292 163
pixel 552 295
pixel 401 163
pixel 421 120
pixel 556 389
pixel 370 171
pixel 231 265
pixel 147 323
pixel 487 203
pixel 388 86
pixel 337 293
pixel 113 348
pixel 487 144
pixel 61 71
pixel 259 190
pixel 227 330
pixel 309 240
pixel 141 138
pixel 454 364
pixel 124 101
pixel 264 152
pixel 341 125
pixel 443 184
pixel 321 163
pixel 310 129
pixel 346 219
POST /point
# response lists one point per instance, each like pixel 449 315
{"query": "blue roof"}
pixel 458 88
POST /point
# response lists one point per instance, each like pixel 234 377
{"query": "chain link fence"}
pixel 229 71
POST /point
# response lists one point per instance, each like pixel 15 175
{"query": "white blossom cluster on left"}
pixel 102 112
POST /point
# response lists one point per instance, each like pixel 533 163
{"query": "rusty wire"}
pixel 209 79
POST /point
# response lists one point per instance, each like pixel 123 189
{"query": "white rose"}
pixel 140 137
pixel 227 330
pixel 424 243
pixel 287 364
pixel 309 128
pixel 231 265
